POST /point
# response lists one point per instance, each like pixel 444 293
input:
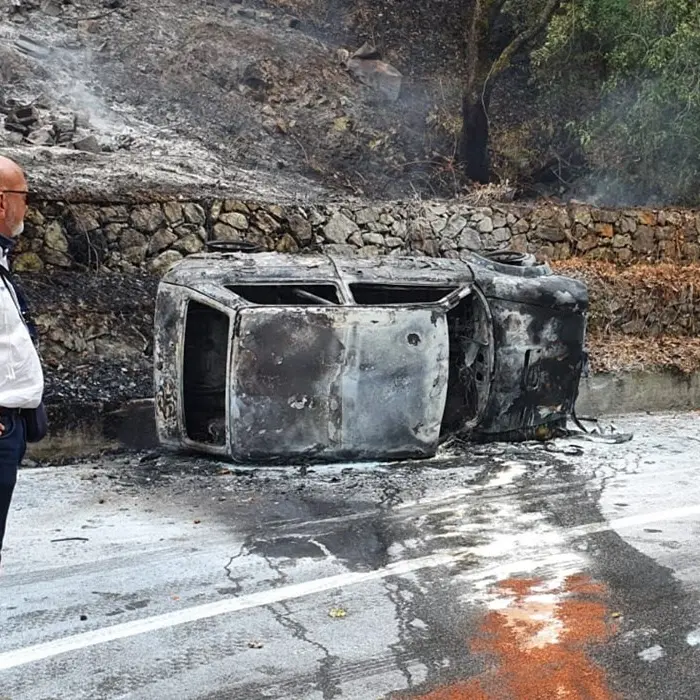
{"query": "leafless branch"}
pixel 525 38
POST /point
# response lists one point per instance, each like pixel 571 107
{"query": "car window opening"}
pixel 204 374
pixel 287 294
pixel 390 294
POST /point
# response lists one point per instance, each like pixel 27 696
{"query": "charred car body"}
pixel 271 357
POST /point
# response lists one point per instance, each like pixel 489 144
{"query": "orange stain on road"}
pixel 538 638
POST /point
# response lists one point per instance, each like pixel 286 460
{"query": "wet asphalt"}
pixel 493 572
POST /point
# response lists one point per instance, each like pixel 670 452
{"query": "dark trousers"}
pixel 12 447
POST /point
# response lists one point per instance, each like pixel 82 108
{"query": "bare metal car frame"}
pixel 272 357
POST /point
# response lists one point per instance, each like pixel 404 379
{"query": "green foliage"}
pixel 644 56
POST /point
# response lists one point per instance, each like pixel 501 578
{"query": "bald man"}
pixel 21 377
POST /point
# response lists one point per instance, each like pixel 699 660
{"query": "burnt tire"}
pixel 511 257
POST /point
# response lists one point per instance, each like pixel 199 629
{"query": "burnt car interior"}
pixel 388 294
pixel 471 360
pixel 287 294
pixel 204 377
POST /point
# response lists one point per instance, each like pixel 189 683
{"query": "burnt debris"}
pixel 37 124
pixel 366 66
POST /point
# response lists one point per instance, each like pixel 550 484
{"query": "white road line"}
pixel 46 650
pixel 37 652
pixel 634 521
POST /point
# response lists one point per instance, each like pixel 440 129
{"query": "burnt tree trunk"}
pixel 481 72
pixel 474 141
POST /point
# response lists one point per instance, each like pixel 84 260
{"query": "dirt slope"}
pixel 205 96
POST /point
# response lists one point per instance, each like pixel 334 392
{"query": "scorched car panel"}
pixel 337 382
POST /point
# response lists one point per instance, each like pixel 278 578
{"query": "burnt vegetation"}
pixel 596 99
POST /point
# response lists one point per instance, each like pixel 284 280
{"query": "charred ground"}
pixel 249 98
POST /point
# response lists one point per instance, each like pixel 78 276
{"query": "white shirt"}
pixel 21 376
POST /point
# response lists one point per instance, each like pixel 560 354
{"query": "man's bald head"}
pixel 11 175
pixel 13 198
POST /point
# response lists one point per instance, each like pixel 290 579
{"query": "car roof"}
pixel 276 268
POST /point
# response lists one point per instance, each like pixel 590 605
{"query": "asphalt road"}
pixel 505 572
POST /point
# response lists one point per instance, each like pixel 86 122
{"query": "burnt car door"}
pixel 341 382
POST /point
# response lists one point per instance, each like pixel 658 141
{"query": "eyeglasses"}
pixel 24 192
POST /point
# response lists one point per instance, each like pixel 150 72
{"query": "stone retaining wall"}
pixel 154 236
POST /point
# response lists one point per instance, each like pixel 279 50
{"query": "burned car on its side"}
pixel 270 357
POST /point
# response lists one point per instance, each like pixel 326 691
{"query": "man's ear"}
pixel 2 204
